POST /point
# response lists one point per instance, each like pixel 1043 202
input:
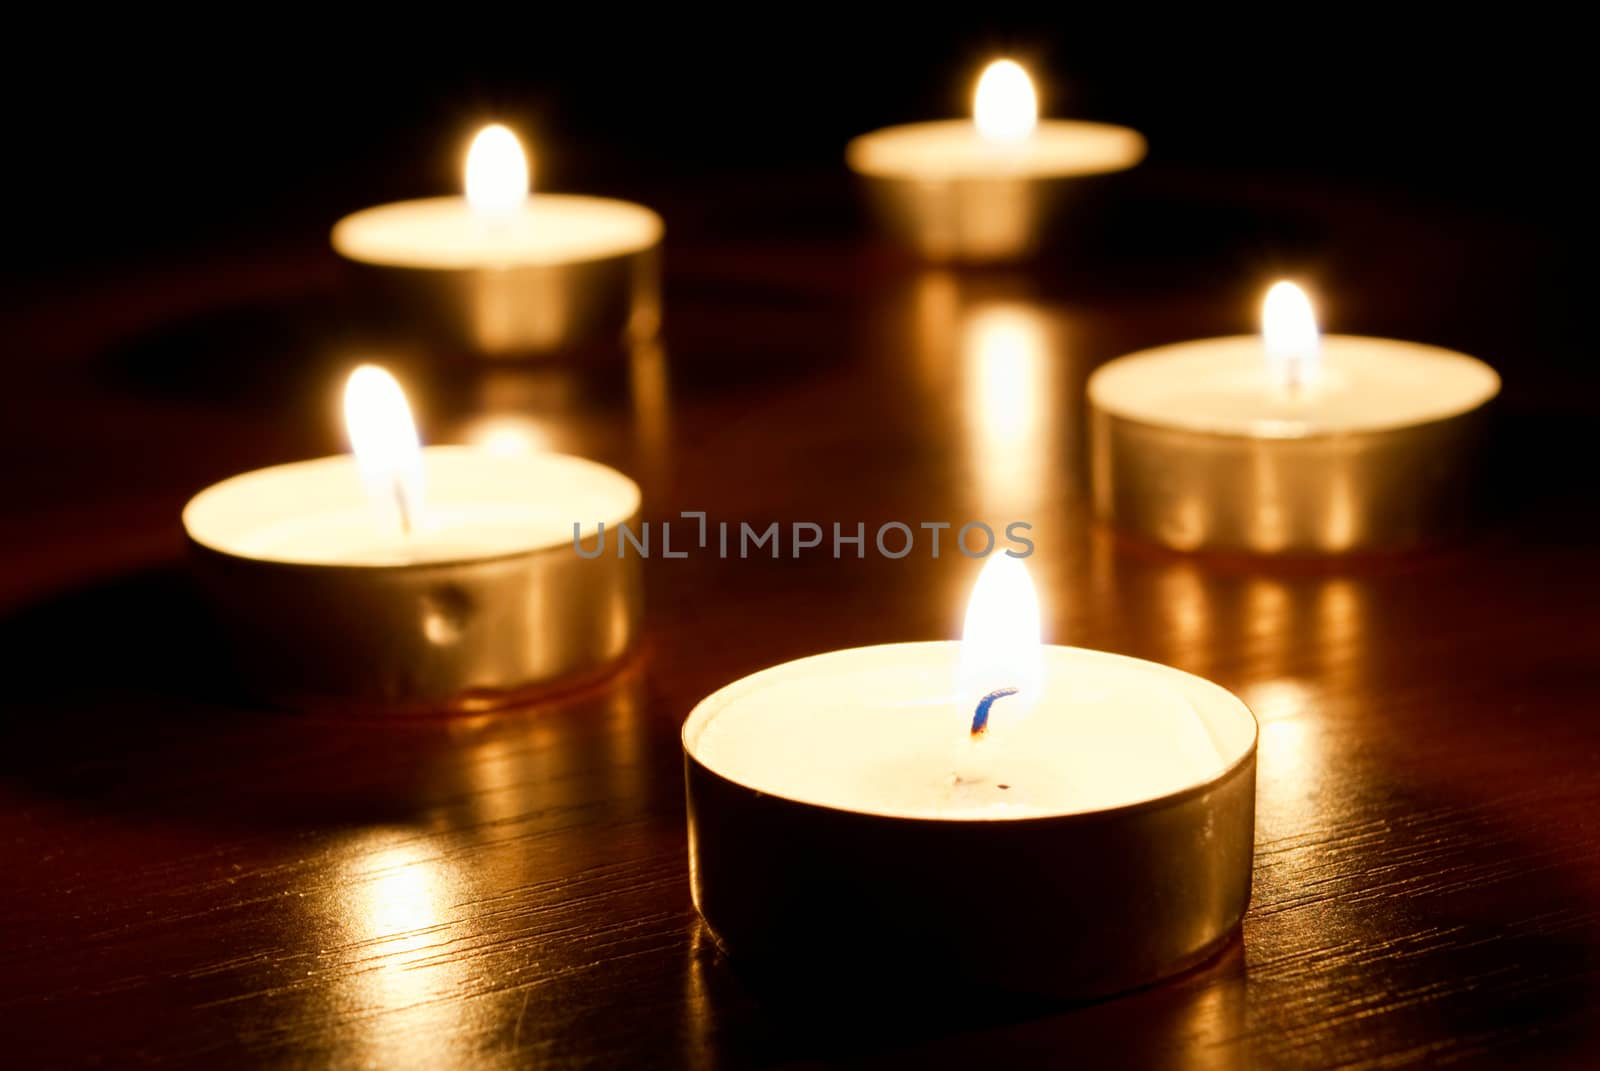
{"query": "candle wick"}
pixel 980 716
pixel 403 504
pixel 1297 372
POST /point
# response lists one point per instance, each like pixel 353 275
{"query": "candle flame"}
pixel 1289 335
pixel 1000 644
pixel 1004 106
pixel 384 439
pixel 497 172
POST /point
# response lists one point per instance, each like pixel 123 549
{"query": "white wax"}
pixel 476 505
pixel 954 149
pixel 884 730
pixel 1224 386
pixel 445 233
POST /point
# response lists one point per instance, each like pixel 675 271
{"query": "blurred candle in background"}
pixel 984 189
pixel 502 272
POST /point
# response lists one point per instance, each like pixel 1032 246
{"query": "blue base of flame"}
pixel 980 716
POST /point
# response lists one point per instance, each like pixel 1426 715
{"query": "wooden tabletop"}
pixel 193 880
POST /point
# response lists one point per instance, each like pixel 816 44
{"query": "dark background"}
pixel 126 141
pixel 191 880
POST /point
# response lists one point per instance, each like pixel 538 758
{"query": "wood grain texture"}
pixel 191 881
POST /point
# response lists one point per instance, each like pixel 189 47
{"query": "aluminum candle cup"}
pixel 841 822
pixel 487 602
pixel 1196 448
pixel 502 273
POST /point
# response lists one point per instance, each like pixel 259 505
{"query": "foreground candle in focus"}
pixel 501 272
pixel 404 579
pixel 1289 443
pixel 993 813
pixel 985 189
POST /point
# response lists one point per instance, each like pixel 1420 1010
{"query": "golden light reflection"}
pixel 506 434
pixel 551 407
pixel 513 770
pixel 1279 699
pixel 699 1028
pixel 519 409
pixel 628 740
pixel 1255 626
pixel 499 771
pixel 651 395
pixel 1291 762
pixel 1292 780
pixel 935 309
pixel 403 899
pixel 398 917
pixel 1275 629
pixel 1014 405
pixel 1209 1027
pixel 998 389
pixel 1182 594
pixel 1339 607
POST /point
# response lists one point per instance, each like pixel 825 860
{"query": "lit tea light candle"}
pixel 405 578
pixel 875 798
pixel 985 188
pixel 1287 442
pixel 1053 730
pixel 505 272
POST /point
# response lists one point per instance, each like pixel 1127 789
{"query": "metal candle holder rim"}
pixel 1137 806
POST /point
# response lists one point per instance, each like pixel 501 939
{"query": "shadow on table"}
pixel 268 352
pixel 124 702
pixel 287 352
